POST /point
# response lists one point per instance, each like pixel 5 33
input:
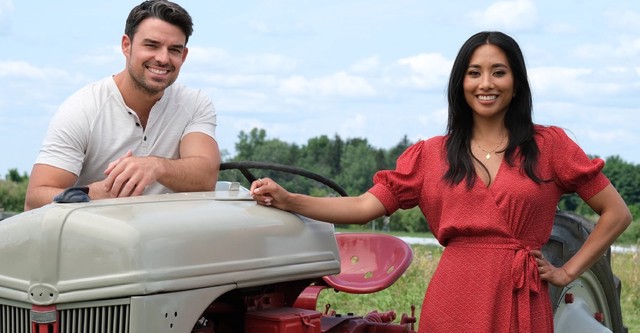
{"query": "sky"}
pixel 299 69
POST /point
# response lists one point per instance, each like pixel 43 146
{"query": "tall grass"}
pixel 410 288
pixel 627 267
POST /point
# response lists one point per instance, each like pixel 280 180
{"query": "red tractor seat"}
pixel 369 262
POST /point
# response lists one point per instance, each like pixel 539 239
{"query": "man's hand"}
pixel 129 175
pixel 195 170
pixel 113 164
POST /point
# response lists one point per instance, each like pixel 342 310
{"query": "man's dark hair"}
pixel 162 9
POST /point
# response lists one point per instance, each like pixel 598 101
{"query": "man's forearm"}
pixel 40 196
pixel 189 174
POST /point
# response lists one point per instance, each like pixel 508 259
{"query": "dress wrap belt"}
pixel 524 270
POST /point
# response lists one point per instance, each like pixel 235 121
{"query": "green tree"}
pixel 13 190
pixel 395 152
pixel 248 143
pixel 358 164
pixel 410 220
pixel 322 155
pixel 625 177
pixel 255 146
pixel 14 176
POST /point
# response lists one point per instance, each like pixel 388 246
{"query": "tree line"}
pixel 351 163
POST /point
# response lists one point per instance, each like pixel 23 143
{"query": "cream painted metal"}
pixel 161 256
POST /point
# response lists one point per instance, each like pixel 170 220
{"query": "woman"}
pixel 489 190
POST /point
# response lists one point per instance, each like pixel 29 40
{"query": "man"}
pixel 135 132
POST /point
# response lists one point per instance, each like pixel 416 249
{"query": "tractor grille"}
pixel 14 319
pixel 101 319
pixel 105 319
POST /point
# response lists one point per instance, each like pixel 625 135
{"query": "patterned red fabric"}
pixel 487 279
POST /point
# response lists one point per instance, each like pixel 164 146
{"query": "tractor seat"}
pixel 369 262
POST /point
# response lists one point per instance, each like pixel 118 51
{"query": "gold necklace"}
pixel 488 156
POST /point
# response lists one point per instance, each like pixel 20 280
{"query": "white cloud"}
pixel 207 54
pixel 559 80
pixel 259 26
pixel 426 71
pixel 243 101
pixel 609 136
pixel 268 62
pixel 29 89
pixel 353 126
pixel 6 6
pixel 340 84
pixel 626 47
pixel 629 46
pixel 231 80
pixel 515 15
pixel 594 51
pixel 436 119
pixel 24 70
pixel 109 55
pixel 626 20
pixel 606 86
pixel 219 59
pixel 561 28
pixel 366 65
pixel 282 28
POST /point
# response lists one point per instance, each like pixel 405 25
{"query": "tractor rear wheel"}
pixel 592 302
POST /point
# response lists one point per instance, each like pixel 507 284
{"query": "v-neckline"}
pixel 492 178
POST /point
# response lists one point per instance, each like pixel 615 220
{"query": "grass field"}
pixel 627 268
pixel 409 289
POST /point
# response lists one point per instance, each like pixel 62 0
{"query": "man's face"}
pixel 155 55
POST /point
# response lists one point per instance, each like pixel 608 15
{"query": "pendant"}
pixel 488 156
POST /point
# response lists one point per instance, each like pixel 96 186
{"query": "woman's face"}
pixel 488 83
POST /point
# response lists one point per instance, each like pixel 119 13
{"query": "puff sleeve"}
pixel 401 188
pixel 572 169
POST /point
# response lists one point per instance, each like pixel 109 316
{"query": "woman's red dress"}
pixel 487 280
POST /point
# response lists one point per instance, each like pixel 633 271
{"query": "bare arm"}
pixel 196 169
pixel 45 183
pixel 339 210
pixel 614 219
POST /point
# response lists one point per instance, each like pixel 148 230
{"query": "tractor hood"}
pixel 112 248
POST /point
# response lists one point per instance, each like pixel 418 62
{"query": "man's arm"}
pixel 47 181
pixel 195 170
pixel 198 166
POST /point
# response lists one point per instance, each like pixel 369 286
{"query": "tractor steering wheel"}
pixel 245 166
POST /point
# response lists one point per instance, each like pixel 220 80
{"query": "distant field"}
pixel 627 267
pixel 409 289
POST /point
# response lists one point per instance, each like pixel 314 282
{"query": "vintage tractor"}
pixel 215 262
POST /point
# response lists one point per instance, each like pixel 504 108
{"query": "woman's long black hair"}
pixel 518 120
